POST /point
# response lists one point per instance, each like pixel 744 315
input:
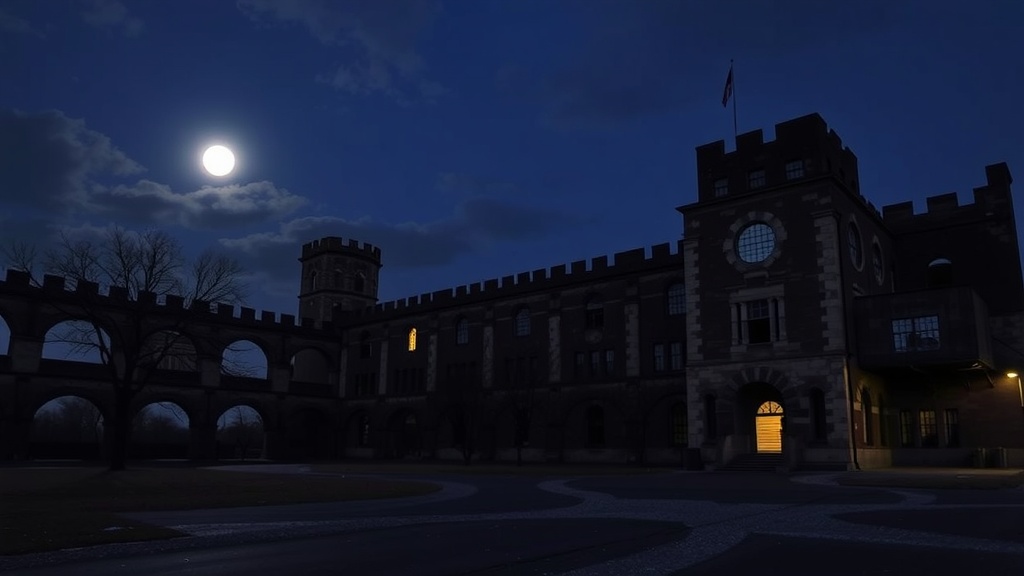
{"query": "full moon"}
pixel 218 160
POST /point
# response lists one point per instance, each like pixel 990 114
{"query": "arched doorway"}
pixel 768 428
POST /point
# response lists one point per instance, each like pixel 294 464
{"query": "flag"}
pixel 728 88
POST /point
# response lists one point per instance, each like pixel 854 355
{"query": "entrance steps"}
pixel 755 463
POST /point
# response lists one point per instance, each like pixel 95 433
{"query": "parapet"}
pixel 806 139
pixel 19 285
pixel 336 245
pixel 636 261
pixel 991 200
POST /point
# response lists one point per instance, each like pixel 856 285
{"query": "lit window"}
pixel 462 331
pixel 523 322
pixel 676 299
pixel 915 334
pixel 756 179
pixel 721 187
pixel 412 339
pixel 853 237
pixel 755 243
pixel 659 357
pixel 794 169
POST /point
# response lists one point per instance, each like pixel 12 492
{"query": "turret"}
pixel 337 274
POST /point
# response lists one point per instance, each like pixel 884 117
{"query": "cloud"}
pixel 50 160
pixel 112 15
pixel 56 166
pixel 376 38
pixel 476 223
pixel 209 207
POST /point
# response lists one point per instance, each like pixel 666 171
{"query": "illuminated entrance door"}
pixel 769 427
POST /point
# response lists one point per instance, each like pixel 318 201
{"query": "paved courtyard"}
pixel 669 523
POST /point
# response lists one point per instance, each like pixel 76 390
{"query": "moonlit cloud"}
pixel 376 40
pixel 209 207
pixel 58 168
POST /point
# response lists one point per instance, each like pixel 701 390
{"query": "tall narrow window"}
pixel 412 339
pixel 758 322
pixel 659 357
pixel 853 239
pixel 580 364
pixel 676 299
pixel 312 280
pixel 678 425
pixel 609 362
pixel 595 364
pixel 595 426
pixel 359 282
pixel 929 429
pixel 462 331
pixel 906 428
pixel 952 427
pixel 364 430
pixel 523 322
pixel 676 355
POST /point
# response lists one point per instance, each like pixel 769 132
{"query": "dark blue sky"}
pixel 472 139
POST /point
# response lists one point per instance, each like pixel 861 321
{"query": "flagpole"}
pixel 735 131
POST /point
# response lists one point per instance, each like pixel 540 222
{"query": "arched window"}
pixel 523 322
pixel 866 418
pixel 462 331
pixel 595 426
pixel 364 430
pixel 312 280
pixel 940 273
pixel 412 340
pixel 678 427
pixel 856 251
pixel 676 299
pixel 359 282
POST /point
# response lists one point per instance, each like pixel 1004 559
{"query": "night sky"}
pixel 472 139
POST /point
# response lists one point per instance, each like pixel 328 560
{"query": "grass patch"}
pixel 55 508
pixel 482 468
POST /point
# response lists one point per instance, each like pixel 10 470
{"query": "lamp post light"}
pixel 1020 390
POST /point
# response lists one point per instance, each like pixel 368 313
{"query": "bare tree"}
pixel 242 429
pixel 136 265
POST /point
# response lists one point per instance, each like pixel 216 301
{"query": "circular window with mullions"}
pixel 755 243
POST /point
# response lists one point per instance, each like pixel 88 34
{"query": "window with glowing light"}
pixel 412 340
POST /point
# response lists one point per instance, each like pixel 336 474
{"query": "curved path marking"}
pixel 715 528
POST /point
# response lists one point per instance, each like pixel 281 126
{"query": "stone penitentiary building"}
pixel 794 325
pixel 793 319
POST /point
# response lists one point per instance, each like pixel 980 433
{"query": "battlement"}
pixel 803 148
pixel 335 244
pixel 544 279
pixel 992 199
pixel 58 289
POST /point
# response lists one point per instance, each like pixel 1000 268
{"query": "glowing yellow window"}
pixel 412 339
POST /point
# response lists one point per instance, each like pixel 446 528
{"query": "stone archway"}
pixel 403 434
pixel 759 417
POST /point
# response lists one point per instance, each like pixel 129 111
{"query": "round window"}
pixel 756 243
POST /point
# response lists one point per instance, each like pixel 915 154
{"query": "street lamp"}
pixel 1020 390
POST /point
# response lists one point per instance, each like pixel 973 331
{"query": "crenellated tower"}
pixel 337 274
